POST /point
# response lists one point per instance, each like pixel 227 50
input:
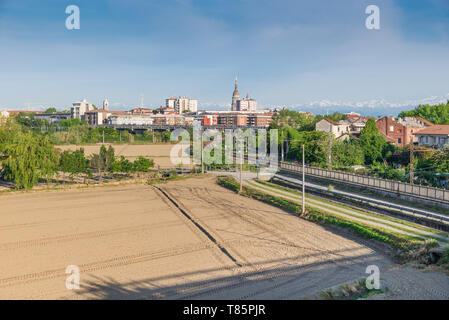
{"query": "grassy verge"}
pixel 444 261
pixel 333 204
pixel 366 215
pixel 350 291
pixel 407 247
pixel 367 192
pixel 172 178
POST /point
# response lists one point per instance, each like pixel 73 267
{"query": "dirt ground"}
pixel 160 153
pixel 190 239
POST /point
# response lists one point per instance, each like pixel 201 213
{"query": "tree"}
pixel 142 164
pixel 50 110
pixel 122 165
pixel 315 144
pixel 73 162
pixel 293 119
pixel 372 142
pixel 103 161
pixel 28 158
pixel 441 159
pixel 347 153
pixel 437 114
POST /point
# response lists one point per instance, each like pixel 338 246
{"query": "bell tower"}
pixel 235 97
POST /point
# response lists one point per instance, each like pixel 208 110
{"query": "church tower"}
pixel 106 105
pixel 235 97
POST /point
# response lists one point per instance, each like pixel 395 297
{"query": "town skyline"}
pixel 374 107
pixel 317 54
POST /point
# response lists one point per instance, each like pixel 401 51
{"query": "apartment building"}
pixel 247 104
pixel 80 108
pixel 96 117
pixel 182 104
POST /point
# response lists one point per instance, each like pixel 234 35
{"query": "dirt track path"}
pixel 132 242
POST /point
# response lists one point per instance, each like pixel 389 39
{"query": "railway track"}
pixel 425 217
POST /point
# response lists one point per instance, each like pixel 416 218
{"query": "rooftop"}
pixel 441 129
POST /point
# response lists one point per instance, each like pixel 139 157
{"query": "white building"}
pixel 80 108
pixel 338 129
pixel 434 136
pixel 247 104
pixel 132 120
pixel 3 116
pixel 182 104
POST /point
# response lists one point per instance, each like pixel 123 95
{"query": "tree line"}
pixel 370 149
pixel 27 157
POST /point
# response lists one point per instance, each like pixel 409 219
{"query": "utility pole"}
pixel 303 182
pixel 412 156
pixel 202 164
pixel 282 146
pixel 329 151
pixel 241 169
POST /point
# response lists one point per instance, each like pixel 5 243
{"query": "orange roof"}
pixel 18 111
pixel 330 121
pixel 442 129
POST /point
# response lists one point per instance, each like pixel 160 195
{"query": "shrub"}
pixel 142 164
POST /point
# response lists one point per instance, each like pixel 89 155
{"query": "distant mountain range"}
pixel 372 108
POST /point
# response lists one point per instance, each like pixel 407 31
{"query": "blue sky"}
pixel 284 52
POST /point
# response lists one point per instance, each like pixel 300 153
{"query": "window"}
pixel 391 128
pixel 399 140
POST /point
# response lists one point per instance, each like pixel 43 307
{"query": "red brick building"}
pixel 400 131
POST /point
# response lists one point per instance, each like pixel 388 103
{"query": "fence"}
pixel 382 184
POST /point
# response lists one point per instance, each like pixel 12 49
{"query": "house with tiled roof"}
pixel 434 136
pixel 401 131
pixel 339 129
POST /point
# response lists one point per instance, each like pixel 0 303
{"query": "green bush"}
pixel 142 164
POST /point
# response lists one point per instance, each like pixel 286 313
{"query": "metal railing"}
pixel 404 188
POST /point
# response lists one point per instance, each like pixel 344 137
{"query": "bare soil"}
pixel 188 239
pixel 160 153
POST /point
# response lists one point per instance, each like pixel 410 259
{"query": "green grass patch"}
pixel 444 261
pixel 333 205
pixel 350 291
pixel 404 243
